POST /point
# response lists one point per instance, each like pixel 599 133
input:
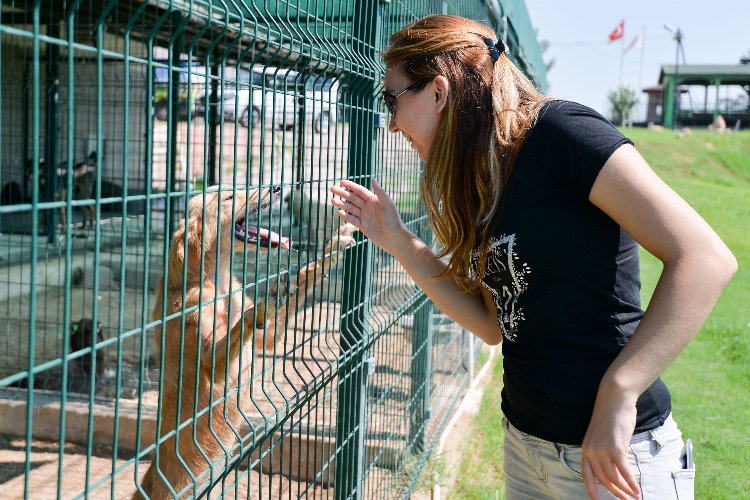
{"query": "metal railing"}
pixel 114 116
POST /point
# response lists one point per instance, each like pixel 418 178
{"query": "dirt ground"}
pixel 44 464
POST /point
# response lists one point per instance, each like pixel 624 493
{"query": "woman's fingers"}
pixel 355 189
pixel 627 480
pixel 347 217
pixel 377 189
pixel 349 196
pixel 589 479
pixel 347 206
pixel 611 475
pixel 373 213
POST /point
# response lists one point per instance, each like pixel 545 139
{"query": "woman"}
pixel 539 206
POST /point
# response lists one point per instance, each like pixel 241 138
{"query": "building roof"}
pixel 706 74
pixel 658 89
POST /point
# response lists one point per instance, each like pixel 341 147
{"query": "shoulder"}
pixel 569 116
pixel 572 142
pixel 573 126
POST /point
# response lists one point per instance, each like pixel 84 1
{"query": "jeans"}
pixel 539 469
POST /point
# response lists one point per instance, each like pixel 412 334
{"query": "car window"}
pixel 319 84
pixel 161 74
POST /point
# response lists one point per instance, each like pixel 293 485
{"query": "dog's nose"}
pixel 276 189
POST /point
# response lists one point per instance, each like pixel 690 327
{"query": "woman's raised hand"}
pixel 374 214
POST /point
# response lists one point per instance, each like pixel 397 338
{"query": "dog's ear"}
pixel 193 250
pixel 177 249
pixel 194 243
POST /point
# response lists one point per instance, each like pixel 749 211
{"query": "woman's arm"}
pixel 697 267
pixel 375 215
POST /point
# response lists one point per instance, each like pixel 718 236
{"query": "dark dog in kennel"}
pixel 81 369
pixel 84 175
pixel 11 194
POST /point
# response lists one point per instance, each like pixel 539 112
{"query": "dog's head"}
pixel 227 217
pixel 83 335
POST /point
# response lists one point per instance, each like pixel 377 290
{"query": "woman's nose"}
pixel 392 127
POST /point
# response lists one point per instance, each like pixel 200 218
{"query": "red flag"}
pixel 618 32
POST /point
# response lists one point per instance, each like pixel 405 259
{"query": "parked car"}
pixel 275 94
pixel 320 97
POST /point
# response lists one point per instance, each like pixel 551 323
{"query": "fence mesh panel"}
pixel 160 336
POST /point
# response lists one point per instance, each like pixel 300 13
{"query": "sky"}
pixel 587 65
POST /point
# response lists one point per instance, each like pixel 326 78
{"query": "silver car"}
pixel 275 93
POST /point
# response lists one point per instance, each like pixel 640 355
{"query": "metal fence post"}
pixel 421 350
pixel 52 119
pixel 212 110
pixel 355 314
pixel 175 203
pixel 355 307
pixel 421 354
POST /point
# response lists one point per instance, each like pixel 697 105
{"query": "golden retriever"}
pixel 216 329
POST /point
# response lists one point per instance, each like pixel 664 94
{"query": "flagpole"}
pixel 622 54
pixel 643 47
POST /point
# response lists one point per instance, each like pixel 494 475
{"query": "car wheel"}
pixel 323 122
pixel 244 118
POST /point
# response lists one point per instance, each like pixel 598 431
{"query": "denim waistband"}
pixel 668 426
pixel 663 431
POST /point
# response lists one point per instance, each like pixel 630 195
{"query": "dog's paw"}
pixel 343 239
pixel 345 236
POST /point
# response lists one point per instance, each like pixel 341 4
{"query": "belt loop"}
pixel 656 439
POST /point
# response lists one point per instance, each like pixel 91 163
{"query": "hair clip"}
pixel 497 48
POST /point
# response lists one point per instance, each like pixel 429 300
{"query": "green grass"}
pixel 480 473
pixel 710 380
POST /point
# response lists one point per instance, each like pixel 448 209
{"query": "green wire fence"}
pixel 115 114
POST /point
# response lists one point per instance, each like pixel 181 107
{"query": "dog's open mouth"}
pixel 260 237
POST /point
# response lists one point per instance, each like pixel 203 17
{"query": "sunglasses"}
pixel 390 99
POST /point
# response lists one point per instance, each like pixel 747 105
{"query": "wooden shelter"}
pixel 706 75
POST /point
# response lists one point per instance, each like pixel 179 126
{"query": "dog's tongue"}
pixel 273 238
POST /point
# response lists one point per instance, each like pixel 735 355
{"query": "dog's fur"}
pixel 11 194
pixel 84 175
pixel 80 374
pixel 213 331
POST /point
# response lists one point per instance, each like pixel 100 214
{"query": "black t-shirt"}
pixel 565 279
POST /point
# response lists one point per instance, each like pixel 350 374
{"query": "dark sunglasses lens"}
pixel 389 102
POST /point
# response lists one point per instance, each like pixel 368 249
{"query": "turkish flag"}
pixel 618 32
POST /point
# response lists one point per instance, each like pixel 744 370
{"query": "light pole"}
pixel 676 98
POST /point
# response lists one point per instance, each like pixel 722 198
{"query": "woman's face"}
pixel 417 112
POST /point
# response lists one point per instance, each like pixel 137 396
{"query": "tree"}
pixel 622 100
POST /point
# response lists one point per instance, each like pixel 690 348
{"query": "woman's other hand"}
pixel 605 446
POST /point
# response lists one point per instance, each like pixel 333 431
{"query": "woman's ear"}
pixel 442 90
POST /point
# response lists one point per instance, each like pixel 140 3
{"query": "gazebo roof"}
pixel 706 74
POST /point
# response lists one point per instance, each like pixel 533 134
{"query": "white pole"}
pixel 643 47
pixel 622 56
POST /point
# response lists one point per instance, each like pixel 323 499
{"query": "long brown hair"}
pixel 491 106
